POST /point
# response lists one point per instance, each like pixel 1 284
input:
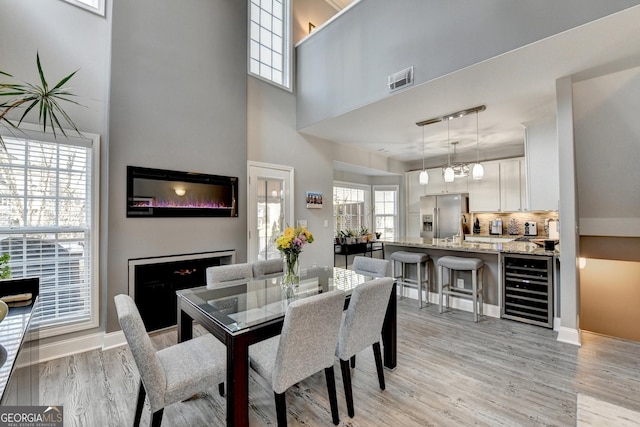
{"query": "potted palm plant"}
pixel 27 96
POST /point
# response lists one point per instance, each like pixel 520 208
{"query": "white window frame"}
pixel 367 201
pixel 287 48
pixel 396 215
pixel 34 132
pixel 95 6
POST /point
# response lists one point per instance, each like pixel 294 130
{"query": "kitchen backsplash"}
pixel 540 218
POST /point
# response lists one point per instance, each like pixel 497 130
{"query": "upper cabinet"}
pixel 484 194
pixel 512 177
pixel 415 190
pixel 502 189
pixel 543 172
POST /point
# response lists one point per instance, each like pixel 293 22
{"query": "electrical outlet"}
pixel 460 283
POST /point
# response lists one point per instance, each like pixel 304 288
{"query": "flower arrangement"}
pixel 290 244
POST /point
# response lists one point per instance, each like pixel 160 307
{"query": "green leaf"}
pixel 28 96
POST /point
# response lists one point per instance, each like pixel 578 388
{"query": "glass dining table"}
pixel 245 312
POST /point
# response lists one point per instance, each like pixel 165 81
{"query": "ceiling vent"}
pixel 400 79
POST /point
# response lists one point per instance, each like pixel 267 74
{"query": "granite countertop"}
pixel 526 248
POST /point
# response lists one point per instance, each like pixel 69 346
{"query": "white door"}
pixel 270 202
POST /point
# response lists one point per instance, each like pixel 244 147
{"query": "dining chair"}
pixel 305 346
pixel 174 373
pixel 368 266
pixel 361 327
pixel 219 275
pixel 267 267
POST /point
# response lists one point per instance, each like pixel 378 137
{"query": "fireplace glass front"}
pixel 165 193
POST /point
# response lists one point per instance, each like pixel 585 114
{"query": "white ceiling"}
pixel 517 88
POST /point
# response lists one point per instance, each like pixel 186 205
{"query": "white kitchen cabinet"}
pixel 436 182
pixel 415 190
pixel 484 194
pixel 543 172
pixel 512 185
pixel 413 225
pixel 438 186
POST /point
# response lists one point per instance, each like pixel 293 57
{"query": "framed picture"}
pixel 314 200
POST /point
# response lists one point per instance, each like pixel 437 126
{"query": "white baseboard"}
pixel 569 335
pixel 113 340
pixel 68 347
pixel 463 304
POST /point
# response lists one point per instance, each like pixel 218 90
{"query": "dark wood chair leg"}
pixel 333 398
pixel 281 409
pixel 156 418
pixel 353 361
pixel 346 380
pixel 221 389
pixel 377 354
pixel 139 405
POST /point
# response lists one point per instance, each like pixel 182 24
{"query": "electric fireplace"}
pixel 165 193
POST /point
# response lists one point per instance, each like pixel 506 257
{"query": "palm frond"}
pixel 28 96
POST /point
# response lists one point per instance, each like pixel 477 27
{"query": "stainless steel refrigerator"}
pixel 440 215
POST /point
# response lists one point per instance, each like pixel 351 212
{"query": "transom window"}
pixel 95 6
pixel 269 41
pixel 48 224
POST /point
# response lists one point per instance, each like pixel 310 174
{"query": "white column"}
pixel 569 330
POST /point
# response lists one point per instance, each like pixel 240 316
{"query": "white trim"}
pixel 92 141
pixel 38 353
pixel 463 304
pixel 287 48
pixel 569 336
pixel 328 21
pixel 618 227
pixel 252 168
pixel 113 340
pixel 98 10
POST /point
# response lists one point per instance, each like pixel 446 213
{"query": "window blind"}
pixel 45 223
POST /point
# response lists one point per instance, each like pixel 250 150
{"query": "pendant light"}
pixel 424 176
pixel 448 172
pixel 478 170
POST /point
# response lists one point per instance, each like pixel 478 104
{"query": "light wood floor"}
pixel 451 372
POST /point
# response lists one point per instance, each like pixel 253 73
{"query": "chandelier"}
pixel 453 170
pixel 458 170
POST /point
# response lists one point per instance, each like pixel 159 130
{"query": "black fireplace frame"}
pixel 228 184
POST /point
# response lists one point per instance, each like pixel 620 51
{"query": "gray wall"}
pixel 607 135
pixel 178 101
pixel 272 138
pixel 347 64
pixel 67 39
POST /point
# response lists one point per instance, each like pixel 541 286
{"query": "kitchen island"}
pixel 491 253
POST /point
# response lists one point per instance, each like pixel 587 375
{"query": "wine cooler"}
pixel 527 283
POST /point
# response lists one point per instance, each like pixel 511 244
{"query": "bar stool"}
pixel 455 264
pixel 420 260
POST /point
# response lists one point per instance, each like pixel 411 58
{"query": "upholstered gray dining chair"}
pixel 361 327
pixel 174 373
pixel 368 266
pixel 220 274
pixel 267 267
pixel 305 346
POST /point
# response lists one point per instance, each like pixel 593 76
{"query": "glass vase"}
pixel 291 277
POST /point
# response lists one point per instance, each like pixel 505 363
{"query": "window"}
pixel 351 207
pixel 48 224
pixel 269 41
pixel 385 200
pixel 95 6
